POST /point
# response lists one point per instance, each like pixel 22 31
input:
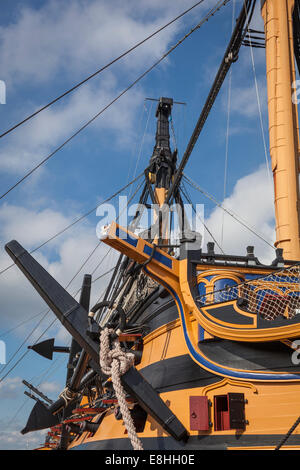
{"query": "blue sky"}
pixel 45 48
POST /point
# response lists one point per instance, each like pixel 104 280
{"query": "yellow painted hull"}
pixel 270 410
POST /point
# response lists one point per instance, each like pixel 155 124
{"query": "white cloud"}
pixel 32 143
pixel 257 20
pixel 10 388
pixel 244 100
pixel 31 227
pixel 74 37
pixel 12 439
pixel 252 201
pixel 63 257
pixel 50 388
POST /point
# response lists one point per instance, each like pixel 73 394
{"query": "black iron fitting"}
pixel 163 161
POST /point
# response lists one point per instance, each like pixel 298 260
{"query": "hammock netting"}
pixel 277 294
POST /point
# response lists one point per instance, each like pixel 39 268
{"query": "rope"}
pixel 101 69
pixel 188 198
pixel 231 213
pixel 114 362
pixel 211 13
pixel 259 109
pixel 141 145
pixel 46 313
pixel 76 221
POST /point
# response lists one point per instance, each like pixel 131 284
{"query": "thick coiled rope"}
pixel 114 362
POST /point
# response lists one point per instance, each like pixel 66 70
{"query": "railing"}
pixel 277 294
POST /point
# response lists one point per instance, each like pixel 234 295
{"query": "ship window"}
pixel 221 413
pixel 199 416
pixel 222 284
pixel 229 411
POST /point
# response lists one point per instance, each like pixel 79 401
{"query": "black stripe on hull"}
pixel 156 312
pixel 270 356
pixel 193 443
pixel 177 373
pixel 273 355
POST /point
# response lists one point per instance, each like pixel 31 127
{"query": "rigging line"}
pixel 134 150
pixel 218 6
pixel 101 261
pixel 87 259
pixel 125 208
pixel 173 132
pixel 234 216
pixel 227 130
pixel 101 69
pixel 48 327
pixel 260 111
pixel 189 200
pixel 226 153
pixel 25 340
pixel 58 362
pixel 116 267
pixel 55 319
pixel 183 138
pixel 104 274
pixel 82 217
pixel 99 242
pixel 43 375
pixel 142 143
pixel 27 350
pixel 101 296
pixel 230 56
pixel 54 370
pixel 110 249
pixel 45 331
pixel 22 344
pixel 16 414
pixel 21 324
pixel 47 310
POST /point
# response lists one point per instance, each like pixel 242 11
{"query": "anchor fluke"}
pixel 40 418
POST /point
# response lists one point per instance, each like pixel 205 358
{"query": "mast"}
pixel 283 122
pixel 163 160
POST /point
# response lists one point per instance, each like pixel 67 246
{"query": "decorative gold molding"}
pixel 227 381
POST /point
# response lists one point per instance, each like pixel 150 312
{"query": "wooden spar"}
pixel 283 123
